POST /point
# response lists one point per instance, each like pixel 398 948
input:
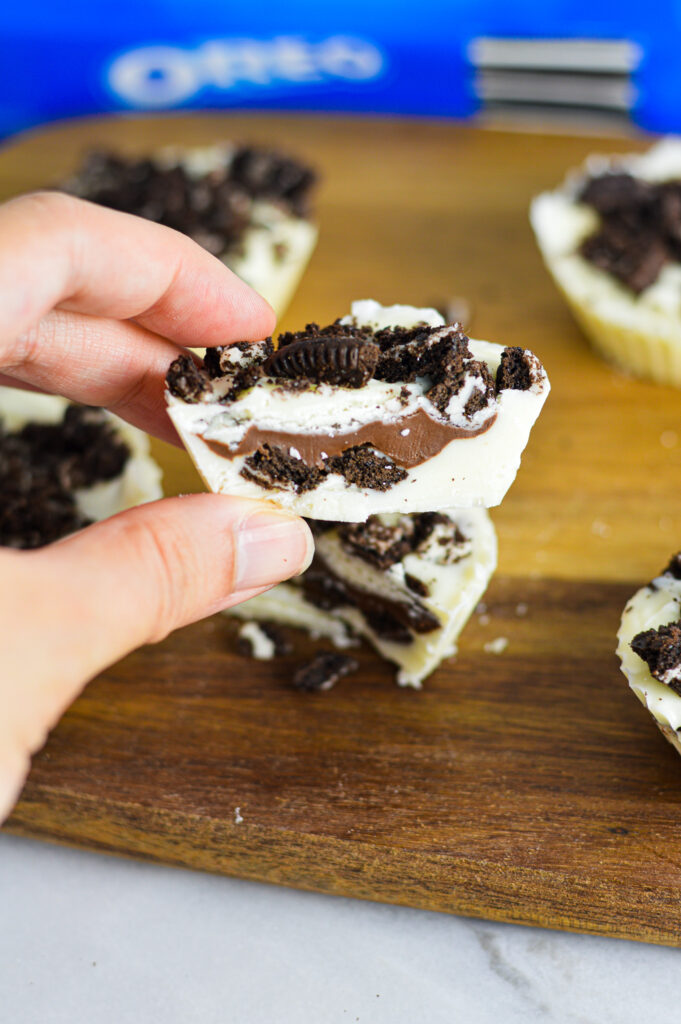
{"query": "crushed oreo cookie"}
pixel 364 467
pixel 339 360
pixel 348 356
pixel 187 380
pixel 661 651
pixel 40 467
pixel 323 672
pixel 360 465
pixel 392 619
pixel 382 545
pixel 674 566
pixel 516 369
pixel 214 209
pixel 416 585
pixel 271 465
pixel 640 227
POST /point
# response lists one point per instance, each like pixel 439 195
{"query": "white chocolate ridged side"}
pixel 651 607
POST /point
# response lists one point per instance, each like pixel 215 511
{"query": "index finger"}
pixel 58 251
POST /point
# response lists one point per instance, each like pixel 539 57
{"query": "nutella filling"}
pixel 409 441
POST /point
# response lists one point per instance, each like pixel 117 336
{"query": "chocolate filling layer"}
pixel 409 441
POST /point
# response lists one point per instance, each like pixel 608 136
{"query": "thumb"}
pixel 77 606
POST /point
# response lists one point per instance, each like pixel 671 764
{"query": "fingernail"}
pixel 270 547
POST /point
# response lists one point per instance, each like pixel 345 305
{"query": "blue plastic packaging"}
pixel 429 58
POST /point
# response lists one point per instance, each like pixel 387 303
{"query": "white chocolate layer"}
pixel 140 480
pixel 454 590
pixel 466 472
pixel 651 607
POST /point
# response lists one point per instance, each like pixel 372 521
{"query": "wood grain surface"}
pixel 528 786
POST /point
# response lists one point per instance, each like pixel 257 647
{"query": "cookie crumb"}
pixel 496 646
pixel 521 609
pixel 237 816
pixel 601 529
pixel 323 672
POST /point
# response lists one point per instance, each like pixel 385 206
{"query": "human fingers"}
pixel 58 251
pixel 103 366
pixel 72 608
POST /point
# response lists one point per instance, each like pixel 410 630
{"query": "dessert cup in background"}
pixel 649 649
pixel 611 239
pixel 248 205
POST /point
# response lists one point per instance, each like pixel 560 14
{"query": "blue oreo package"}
pixel 437 58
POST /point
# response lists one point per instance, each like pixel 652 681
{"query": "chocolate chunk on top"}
pixel 515 371
pixel 323 672
pixel 188 381
pixel 674 566
pixel 215 209
pixel 612 193
pixel 383 544
pixel 640 229
pixel 343 360
pixel 661 651
pixel 40 467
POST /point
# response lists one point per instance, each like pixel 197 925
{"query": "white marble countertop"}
pixel 94 939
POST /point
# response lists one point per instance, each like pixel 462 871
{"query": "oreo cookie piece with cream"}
pixel 248 205
pixel 405 583
pixel 388 409
pixel 63 466
pixel 611 239
pixel 649 649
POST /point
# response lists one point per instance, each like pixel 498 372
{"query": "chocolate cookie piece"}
pixel 342 360
pixel 674 566
pixel 40 467
pixel 424 352
pixel 323 672
pixel 515 369
pixel 227 360
pixel 378 544
pixel 362 466
pixel 334 330
pixel 214 209
pixel 616 193
pixel 188 381
pixel 416 585
pixel 272 465
pixel 640 227
pixel 634 257
pixel 661 651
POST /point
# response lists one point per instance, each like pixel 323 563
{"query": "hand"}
pixel 95 306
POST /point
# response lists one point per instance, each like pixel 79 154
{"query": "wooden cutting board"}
pixel 527 786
